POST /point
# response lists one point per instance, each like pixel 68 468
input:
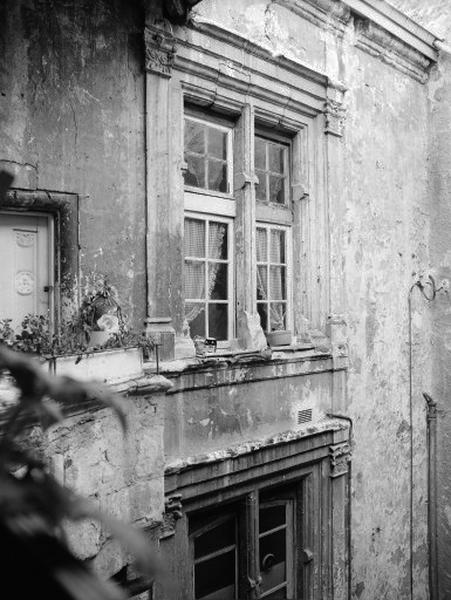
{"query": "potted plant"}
pixel 100 314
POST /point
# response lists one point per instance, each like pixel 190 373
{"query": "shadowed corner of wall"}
pixel 6 180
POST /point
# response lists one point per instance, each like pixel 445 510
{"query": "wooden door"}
pixel 25 272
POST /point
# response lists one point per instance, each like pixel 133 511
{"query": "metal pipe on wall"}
pixel 431 440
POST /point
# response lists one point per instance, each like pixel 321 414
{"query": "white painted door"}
pixel 25 273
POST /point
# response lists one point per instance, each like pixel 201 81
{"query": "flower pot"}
pixel 279 338
pixel 98 338
pixel 111 365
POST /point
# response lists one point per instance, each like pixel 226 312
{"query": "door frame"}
pixel 63 210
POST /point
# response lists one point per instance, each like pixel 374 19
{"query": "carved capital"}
pixel 339 455
pixel 335 117
pixel 161 49
pixel 172 513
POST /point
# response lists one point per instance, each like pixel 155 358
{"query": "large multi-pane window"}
pixel 210 237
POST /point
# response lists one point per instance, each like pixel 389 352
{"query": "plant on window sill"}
pixel 99 324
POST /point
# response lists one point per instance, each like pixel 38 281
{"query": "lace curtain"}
pixel 194 279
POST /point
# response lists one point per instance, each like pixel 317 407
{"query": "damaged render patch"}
pixel 251 446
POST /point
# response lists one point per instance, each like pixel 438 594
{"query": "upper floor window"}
pixel 271 168
pixel 208 155
pixel 212 290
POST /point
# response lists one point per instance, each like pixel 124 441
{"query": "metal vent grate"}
pixel 304 416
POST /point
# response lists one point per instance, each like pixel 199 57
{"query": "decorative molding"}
pixel 339 456
pixel 335 115
pixel 386 47
pixel 161 48
pixel 322 13
pixel 172 513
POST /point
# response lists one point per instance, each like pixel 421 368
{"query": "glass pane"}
pixel 217 176
pixel 277 250
pixel 215 578
pixel 194 280
pixel 217 281
pixel 217 143
pixel 260 188
pixel 194 238
pixel 194 137
pixel 276 189
pixel 273 549
pixel 276 157
pixel 262 283
pixel 261 245
pixel 277 316
pixel 271 517
pixel 277 283
pixel 218 321
pixel 262 310
pixel 217 240
pixel 195 315
pixel 218 537
pixel 260 153
pixel 195 172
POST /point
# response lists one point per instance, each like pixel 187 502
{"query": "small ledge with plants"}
pixel 95 344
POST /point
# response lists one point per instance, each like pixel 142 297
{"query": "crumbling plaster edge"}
pixel 250 446
pixel 390 35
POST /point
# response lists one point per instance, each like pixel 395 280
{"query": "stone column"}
pixel 336 326
pixel 340 455
pixel 164 188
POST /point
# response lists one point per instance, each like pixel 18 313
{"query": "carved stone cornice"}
pixel 161 48
pixel 323 13
pixel 339 456
pixel 383 45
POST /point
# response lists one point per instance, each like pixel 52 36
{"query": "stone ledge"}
pixel 340 429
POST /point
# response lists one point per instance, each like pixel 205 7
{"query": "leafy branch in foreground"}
pixel 34 505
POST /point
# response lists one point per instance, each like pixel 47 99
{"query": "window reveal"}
pixel 207 275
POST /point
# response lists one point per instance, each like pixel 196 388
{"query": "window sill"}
pixel 278 355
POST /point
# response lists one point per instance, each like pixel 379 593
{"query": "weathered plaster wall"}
pixel 71 120
pixel 436 15
pixel 121 474
pixel 383 248
pixel 209 411
pixel 440 189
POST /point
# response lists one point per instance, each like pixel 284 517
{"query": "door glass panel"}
pixel 271 517
pixel 273 559
pixel 214 578
pixel 215 560
pixel 275 548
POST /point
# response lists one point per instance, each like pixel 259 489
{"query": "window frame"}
pixel 207 217
pixel 248 536
pixel 189 113
pixel 268 226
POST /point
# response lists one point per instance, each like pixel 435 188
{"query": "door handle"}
pixel 48 288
